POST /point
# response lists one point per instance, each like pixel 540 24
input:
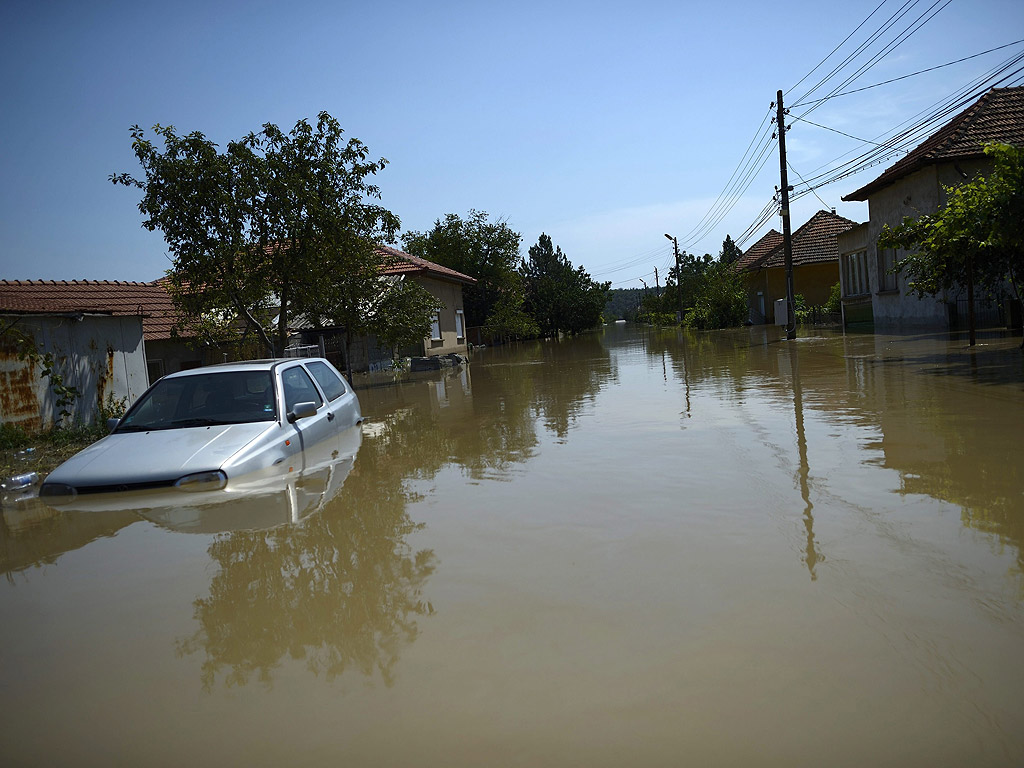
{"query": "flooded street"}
pixel 639 547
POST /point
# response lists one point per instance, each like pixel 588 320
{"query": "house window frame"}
pixel 887 258
pixel 856 281
pixel 435 327
pixel 460 325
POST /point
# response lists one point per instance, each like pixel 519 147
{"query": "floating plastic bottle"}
pixel 20 482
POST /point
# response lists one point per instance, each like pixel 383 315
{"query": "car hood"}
pixel 156 456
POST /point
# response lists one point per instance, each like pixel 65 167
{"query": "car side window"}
pixel 299 388
pixel 328 380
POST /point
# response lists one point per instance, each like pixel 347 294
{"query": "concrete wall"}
pixel 451 295
pixel 98 355
pixel 919 193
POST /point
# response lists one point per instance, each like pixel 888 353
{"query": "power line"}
pixel 912 74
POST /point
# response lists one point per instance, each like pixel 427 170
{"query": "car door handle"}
pixel 330 415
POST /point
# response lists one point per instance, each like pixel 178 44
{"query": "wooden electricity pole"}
pixel 787 235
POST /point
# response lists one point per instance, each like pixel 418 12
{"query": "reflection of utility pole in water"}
pixel 811 557
pixel 686 376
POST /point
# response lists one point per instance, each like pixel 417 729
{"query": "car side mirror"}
pixel 112 424
pixel 301 411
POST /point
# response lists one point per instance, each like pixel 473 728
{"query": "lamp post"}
pixel 679 276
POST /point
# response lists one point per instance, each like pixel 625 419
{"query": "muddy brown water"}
pixel 639 547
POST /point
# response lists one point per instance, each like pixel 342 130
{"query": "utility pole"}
pixel 787 235
pixel 657 297
pixel 679 276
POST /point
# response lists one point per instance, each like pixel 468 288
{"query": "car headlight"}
pixel 202 481
pixel 58 491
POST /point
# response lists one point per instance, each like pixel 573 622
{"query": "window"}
pixel 886 262
pixel 328 380
pixel 855 273
pixel 298 388
pixel 435 327
pixel 460 324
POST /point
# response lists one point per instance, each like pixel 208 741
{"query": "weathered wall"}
pixel 856 309
pixel 451 295
pixel 98 355
pixel 919 193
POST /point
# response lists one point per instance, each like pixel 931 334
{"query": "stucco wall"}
pixel 451 295
pixel 98 355
pixel 919 193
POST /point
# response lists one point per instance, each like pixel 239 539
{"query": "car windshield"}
pixel 202 400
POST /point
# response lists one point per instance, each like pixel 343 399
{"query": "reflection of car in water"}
pixel 212 428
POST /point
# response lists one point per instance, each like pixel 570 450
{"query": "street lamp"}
pixel 679 276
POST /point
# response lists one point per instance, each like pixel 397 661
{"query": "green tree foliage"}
pixel 730 252
pixel 560 297
pixel 276 226
pixel 977 237
pixel 487 251
pixel 719 299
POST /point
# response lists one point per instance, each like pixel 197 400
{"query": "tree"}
pixel 975 240
pixel 487 251
pixel 276 226
pixel 730 252
pixel 558 296
pixel 719 300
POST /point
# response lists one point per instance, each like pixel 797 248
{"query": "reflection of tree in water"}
pixel 483 420
pixel 341 591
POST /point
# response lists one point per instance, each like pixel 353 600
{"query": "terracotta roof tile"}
pixel 759 250
pixel 102 297
pixel 998 116
pixel 151 300
pixel 813 243
pixel 405 263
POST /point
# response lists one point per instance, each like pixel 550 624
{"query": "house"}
pixel 448 332
pixel 815 265
pixel 759 304
pixel 914 186
pixel 93 331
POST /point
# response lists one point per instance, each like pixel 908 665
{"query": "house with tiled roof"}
pixel 917 185
pixel 94 331
pixel 815 265
pixel 448 334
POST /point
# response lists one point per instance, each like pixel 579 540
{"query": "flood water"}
pixel 640 547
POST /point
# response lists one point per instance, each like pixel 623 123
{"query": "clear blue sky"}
pixel 603 124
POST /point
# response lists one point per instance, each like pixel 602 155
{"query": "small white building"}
pixel 93 333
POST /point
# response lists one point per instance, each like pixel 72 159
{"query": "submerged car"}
pixel 201 429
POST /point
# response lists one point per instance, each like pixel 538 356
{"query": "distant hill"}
pixel 622 304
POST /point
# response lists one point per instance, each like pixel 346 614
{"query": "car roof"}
pixel 268 364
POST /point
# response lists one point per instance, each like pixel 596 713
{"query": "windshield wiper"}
pixel 198 422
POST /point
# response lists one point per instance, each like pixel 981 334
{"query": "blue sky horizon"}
pixel 602 125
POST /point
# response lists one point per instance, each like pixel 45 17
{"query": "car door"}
pixel 297 387
pixel 341 400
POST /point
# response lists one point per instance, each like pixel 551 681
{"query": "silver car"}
pixel 201 429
